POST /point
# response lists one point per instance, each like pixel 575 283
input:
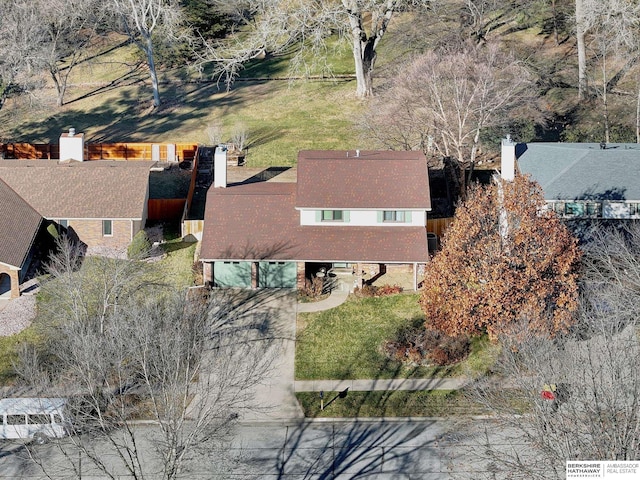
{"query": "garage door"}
pixel 232 274
pixel 277 275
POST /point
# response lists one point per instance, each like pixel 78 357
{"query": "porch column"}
pixel 207 272
pixel 15 283
pixel 358 277
pixel 300 272
pixel 254 275
pixel 415 276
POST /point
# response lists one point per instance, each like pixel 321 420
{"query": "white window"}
pixel 332 216
pixel 107 228
pixel 393 216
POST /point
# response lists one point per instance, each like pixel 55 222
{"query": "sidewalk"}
pixel 381 384
pixel 336 298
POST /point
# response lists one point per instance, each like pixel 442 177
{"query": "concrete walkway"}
pixel 381 384
pixel 337 297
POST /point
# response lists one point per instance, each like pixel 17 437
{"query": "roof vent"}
pixel 72 132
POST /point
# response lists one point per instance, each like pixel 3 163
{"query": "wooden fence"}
pixel 139 151
pixel 167 209
pixel 29 151
pixel 101 151
pixel 193 228
pixel 192 185
pixel 438 225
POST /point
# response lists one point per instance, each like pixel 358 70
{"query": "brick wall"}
pixel 15 282
pixel 90 232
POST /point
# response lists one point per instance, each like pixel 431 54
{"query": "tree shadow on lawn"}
pixel 389 368
pixel 129 117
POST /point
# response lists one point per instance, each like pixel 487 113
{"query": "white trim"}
pixel 11 267
pixel 92 218
pixel 363 208
pixel 393 262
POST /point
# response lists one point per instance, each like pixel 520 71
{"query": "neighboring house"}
pixel 580 180
pixel 102 203
pixel 351 210
pixel 19 226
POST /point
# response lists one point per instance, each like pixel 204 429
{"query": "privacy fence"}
pixel 161 152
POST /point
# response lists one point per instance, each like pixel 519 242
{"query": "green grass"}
pixel 175 270
pixel 345 342
pixel 8 351
pixel 483 356
pixel 429 403
pixel 280 117
pixel 177 267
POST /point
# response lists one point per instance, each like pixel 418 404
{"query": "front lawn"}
pixel 427 403
pixel 9 352
pixel 345 342
pixel 176 268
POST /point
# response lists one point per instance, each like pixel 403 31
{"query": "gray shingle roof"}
pixel 583 171
pixel 19 224
pixel 95 189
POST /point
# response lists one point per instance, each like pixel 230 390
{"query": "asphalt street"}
pixel 426 449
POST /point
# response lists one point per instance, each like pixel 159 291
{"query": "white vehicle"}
pixel 33 418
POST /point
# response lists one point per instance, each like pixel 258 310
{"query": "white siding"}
pixel 365 218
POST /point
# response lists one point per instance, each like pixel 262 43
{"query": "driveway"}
pixel 271 315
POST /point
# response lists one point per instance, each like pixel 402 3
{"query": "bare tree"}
pixel 578 396
pixel 581 31
pixel 446 99
pixel 274 25
pixel 182 363
pixel 47 35
pixel 611 26
pixel 215 133
pixel 145 22
pixel 615 26
pixel 239 136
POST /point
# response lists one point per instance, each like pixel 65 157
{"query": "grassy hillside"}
pixel 109 97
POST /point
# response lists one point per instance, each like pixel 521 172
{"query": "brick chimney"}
pixel 72 145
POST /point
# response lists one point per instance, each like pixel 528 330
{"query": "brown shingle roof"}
pixel 19 224
pixel 259 222
pixel 96 189
pixel 375 179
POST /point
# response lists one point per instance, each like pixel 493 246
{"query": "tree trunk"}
pixel 364 47
pixel 582 50
pixel 60 84
pixel 364 61
pixel 148 49
pixel 605 104
pixel 555 21
pixel 638 112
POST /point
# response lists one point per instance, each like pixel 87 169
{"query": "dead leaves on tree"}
pixel 493 275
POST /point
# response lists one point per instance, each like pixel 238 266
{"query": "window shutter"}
pixel 318 215
pixel 407 216
pixel 346 216
pixel 379 212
